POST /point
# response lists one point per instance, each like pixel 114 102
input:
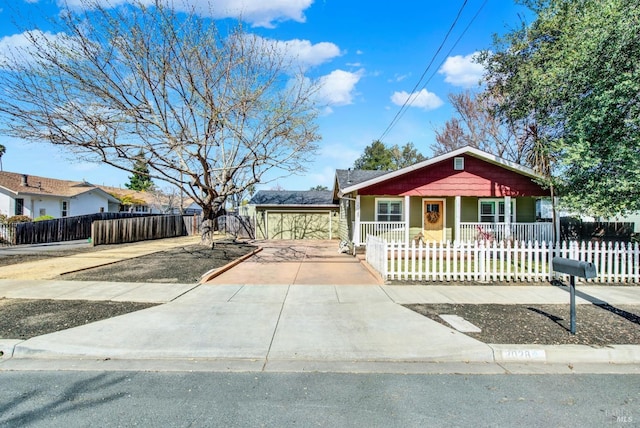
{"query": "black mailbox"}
pixel 574 267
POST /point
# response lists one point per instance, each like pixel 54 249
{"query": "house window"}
pixel 458 163
pixel 19 206
pixel 141 209
pixel 389 210
pixel 65 209
pixel 43 212
pixel 492 210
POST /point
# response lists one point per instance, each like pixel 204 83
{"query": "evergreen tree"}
pixel 140 179
pixel 377 156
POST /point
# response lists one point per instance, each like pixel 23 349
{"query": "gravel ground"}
pixel 179 265
pixel 24 318
pixel 544 324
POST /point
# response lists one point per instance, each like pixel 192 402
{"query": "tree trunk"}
pixel 209 227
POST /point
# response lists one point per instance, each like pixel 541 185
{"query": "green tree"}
pixel 406 155
pixel 3 150
pixel 575 74
pixel 377 156
pixel 214 108
pixel 319 187
pixel 140 179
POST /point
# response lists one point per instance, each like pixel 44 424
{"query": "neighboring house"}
pixel 151 202
pixel 311 214
pixel 463 195
pixel 33 196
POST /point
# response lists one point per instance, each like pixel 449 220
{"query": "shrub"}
pixel 18 219
pixel 44 217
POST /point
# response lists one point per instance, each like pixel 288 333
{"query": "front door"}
pixel 433 220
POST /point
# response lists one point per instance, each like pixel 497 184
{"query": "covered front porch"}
pixel 454 219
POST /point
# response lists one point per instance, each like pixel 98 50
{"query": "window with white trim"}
pixel 492 210
pixel 389 209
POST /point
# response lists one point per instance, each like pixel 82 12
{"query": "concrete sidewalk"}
pixel 316 328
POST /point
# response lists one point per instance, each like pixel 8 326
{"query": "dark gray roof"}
pixel 350 177
pixel 292 197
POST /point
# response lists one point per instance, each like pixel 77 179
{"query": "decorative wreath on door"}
pixel 433 216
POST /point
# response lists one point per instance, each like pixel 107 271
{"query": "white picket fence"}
pixel 482 261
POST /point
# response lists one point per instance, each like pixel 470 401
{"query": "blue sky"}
pixel 370 56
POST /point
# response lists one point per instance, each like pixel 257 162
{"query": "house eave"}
pixel 296 206
pixel 472 151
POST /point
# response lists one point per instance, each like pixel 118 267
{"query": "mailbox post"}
pixel 574 268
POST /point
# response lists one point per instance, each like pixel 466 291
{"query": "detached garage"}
pixel 283 214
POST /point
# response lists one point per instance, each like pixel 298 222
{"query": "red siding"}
pixel 479 178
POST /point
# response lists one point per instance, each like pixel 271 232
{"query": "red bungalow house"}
pixel 464 195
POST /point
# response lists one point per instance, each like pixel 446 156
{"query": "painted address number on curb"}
pixel 524 354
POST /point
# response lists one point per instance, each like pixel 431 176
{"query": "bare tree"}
pixel 476 125
pixel 212 111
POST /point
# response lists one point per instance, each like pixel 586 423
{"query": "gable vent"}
pixel 458 163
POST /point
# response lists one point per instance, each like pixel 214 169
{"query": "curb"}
pixel 371 270
pixel 566 354
pixel 208 276
pixel 7 348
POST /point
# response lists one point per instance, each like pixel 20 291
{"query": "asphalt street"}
pixel 115 399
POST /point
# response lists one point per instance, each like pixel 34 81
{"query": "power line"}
pixel 402 112
pixel 413 95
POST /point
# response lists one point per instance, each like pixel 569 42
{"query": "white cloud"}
pixel 424 99
pixel 18 48
pixel 338 87
pixel 399 77
pixel 462 70
pixel 259 13
pixel 306 54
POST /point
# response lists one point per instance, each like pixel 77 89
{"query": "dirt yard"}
pixel 544 324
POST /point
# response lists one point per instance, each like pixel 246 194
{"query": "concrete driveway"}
pixel 289 262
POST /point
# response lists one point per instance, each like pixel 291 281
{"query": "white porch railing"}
pixel 482 261
pixel 541 232
pixel 389 231
pixel 395 231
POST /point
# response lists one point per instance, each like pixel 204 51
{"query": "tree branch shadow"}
pixel 71 399
pixel 601 304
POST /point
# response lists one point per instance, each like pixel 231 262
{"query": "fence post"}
pixel 481 257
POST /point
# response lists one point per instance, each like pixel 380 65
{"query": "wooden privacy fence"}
pixel 237 226
pixel 141 229
pixel 61 229
pixel 492 261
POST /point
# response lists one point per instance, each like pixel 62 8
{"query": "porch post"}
pixel 356 232
pixel 458 210
pixel 507 217
pixel 407 210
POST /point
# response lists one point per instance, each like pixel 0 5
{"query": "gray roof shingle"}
pixel 292 197
pixel 350 177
